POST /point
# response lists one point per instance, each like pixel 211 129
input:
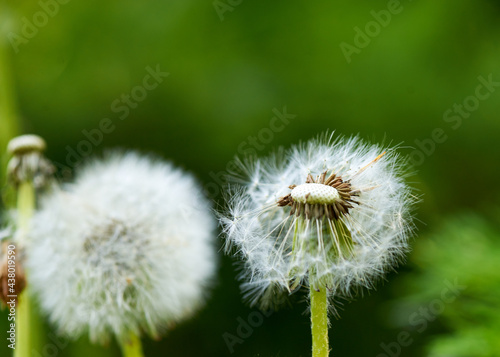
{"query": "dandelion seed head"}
pixel 27 162
pixel 333 213
pixel 126 248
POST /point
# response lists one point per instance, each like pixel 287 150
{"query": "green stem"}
pixel 9 120
pixel 25 208
pixel 319 322
pixel 23 326
pixel 132 347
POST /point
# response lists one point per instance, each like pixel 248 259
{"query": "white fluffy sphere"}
pixel 127 247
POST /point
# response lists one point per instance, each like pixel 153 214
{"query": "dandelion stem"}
pixel 319 322
pixel 23 327
pixel 9 123
pixel 25 208
pixel 132 347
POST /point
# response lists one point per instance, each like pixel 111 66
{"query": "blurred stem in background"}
pixel 132 346
pixel 9 118
pixel 25 209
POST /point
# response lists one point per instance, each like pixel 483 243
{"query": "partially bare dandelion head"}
pixel 27 162
pixel 328 213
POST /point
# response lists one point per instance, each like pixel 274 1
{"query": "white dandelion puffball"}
pixel 127 247
pixel 327 213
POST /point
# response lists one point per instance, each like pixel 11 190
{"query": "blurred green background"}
pixel 404 72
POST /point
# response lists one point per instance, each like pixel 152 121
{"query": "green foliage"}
pixel 466 250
